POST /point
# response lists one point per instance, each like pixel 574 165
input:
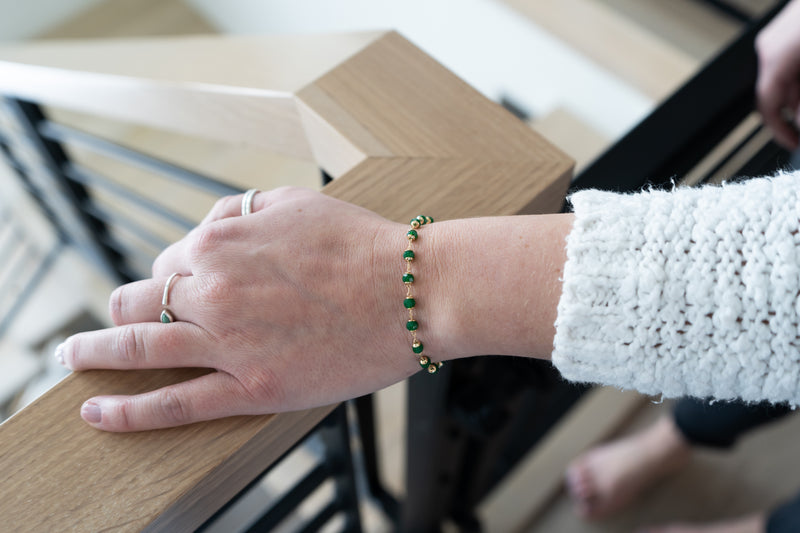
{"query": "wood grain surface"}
pixel 402 135
pixel 636 55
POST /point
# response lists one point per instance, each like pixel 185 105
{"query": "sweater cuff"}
pixel 689 292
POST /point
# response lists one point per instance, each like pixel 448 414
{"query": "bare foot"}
pixel 607 478
pixel 748 524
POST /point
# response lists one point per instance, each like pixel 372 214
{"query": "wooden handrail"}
pixel 234 89
pixel 402 135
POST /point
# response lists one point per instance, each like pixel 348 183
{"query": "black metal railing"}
pixel 62 187
pixel 335 465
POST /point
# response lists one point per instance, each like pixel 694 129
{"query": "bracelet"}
pixel 410 302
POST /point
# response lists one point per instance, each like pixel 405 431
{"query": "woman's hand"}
pixel 294 306
pixel 778 86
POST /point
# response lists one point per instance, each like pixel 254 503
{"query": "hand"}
pixel 778 85
pixel 294 306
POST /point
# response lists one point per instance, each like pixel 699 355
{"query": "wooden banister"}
pixel 402 135
pixel 234 89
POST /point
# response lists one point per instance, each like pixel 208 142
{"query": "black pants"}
pixel 719 425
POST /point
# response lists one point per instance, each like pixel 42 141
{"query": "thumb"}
pixel 210 396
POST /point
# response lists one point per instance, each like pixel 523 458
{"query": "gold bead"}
pixel 415 223
pixel 424 360
pixel 432 368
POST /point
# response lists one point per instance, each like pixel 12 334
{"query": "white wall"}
pixel 490 46
pixel 23 19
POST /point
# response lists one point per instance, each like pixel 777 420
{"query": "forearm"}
pixel 690 292
pixel 508 272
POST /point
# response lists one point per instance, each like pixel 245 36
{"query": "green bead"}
pixel 412 235
pixel 415 223
pixel 166 317
pixel 412 325
pixel 408 278
pixel 409 303
pixel 430 220
pixel 424 361
pixel 408 255
pixel 416 347
pixel 422 219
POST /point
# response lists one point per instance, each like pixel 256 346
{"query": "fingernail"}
pixel 91 412
pixel 59 353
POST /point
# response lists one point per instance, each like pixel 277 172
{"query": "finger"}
pixel 203 245
pixel 211 396
pixel 794 111
pixel 141 301
pixel 231 206
pixel 180 256
pixel 174 258
pixel 139 346
pixel 177 257
pixel 772 97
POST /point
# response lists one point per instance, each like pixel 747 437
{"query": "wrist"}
pixel 429 290
pixel 495 285
pixel 482 286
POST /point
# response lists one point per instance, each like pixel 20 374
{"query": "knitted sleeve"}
pixel 690 292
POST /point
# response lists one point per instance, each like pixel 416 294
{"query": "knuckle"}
pixel 224 204
pixel 223 207
pixel 263 387
pixel 129 346
pixel 173 409
pixel 72 351
pixel 159 264
pixel 122 416
pixel 115 306
pixel 208 239
pixel 219 204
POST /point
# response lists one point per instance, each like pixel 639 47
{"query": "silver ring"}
pixel 166 316
pixel 247 201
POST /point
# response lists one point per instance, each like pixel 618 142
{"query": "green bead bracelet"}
pixel 410 303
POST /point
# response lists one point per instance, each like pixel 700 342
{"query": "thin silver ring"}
pixel 166 316
pixel 247 201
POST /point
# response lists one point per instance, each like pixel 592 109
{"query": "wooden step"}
pixel 573 135
pixel 132 18
pixel 690 26
pixel 636 55
pixel 538 478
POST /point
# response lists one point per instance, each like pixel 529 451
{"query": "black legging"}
pixel 720 424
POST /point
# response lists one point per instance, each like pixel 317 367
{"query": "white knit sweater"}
pixel 690 292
